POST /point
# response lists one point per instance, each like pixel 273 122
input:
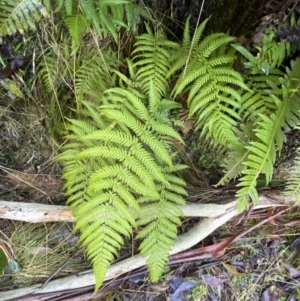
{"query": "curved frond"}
pixel 213 86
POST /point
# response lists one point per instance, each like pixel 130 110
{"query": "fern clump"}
pixel 119 160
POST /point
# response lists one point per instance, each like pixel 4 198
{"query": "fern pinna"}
pixel 119 167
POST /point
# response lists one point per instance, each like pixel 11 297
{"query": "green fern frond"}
pixel 108 16
pixel 213 86
pixel 80 127
pixel 49 72
pixel 188 46
pixel 90 12
pixel 104 227
pixel 141 131
pixel 233 163
pixel 151 60
pixel 76 24
pixel 94 76
pixel 120 167
pixel 131 100
pixel 135 158
pixel 66 5
pixel 20 16
pixel 211 43
pixel 274 107
pixel 261 159
pixel 133 11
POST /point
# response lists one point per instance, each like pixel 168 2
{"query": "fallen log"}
pixel 41 213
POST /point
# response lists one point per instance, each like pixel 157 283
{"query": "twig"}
pixel 61 267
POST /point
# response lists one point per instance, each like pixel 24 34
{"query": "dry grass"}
pixel 41 249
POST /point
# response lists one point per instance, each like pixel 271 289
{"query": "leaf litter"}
pixel 262 263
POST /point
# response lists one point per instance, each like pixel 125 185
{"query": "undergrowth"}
pixel 121 134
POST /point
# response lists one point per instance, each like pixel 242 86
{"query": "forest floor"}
pixel 262 265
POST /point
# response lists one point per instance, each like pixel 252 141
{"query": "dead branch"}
pixel 40 213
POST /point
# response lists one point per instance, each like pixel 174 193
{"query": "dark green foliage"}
pixel 269 56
